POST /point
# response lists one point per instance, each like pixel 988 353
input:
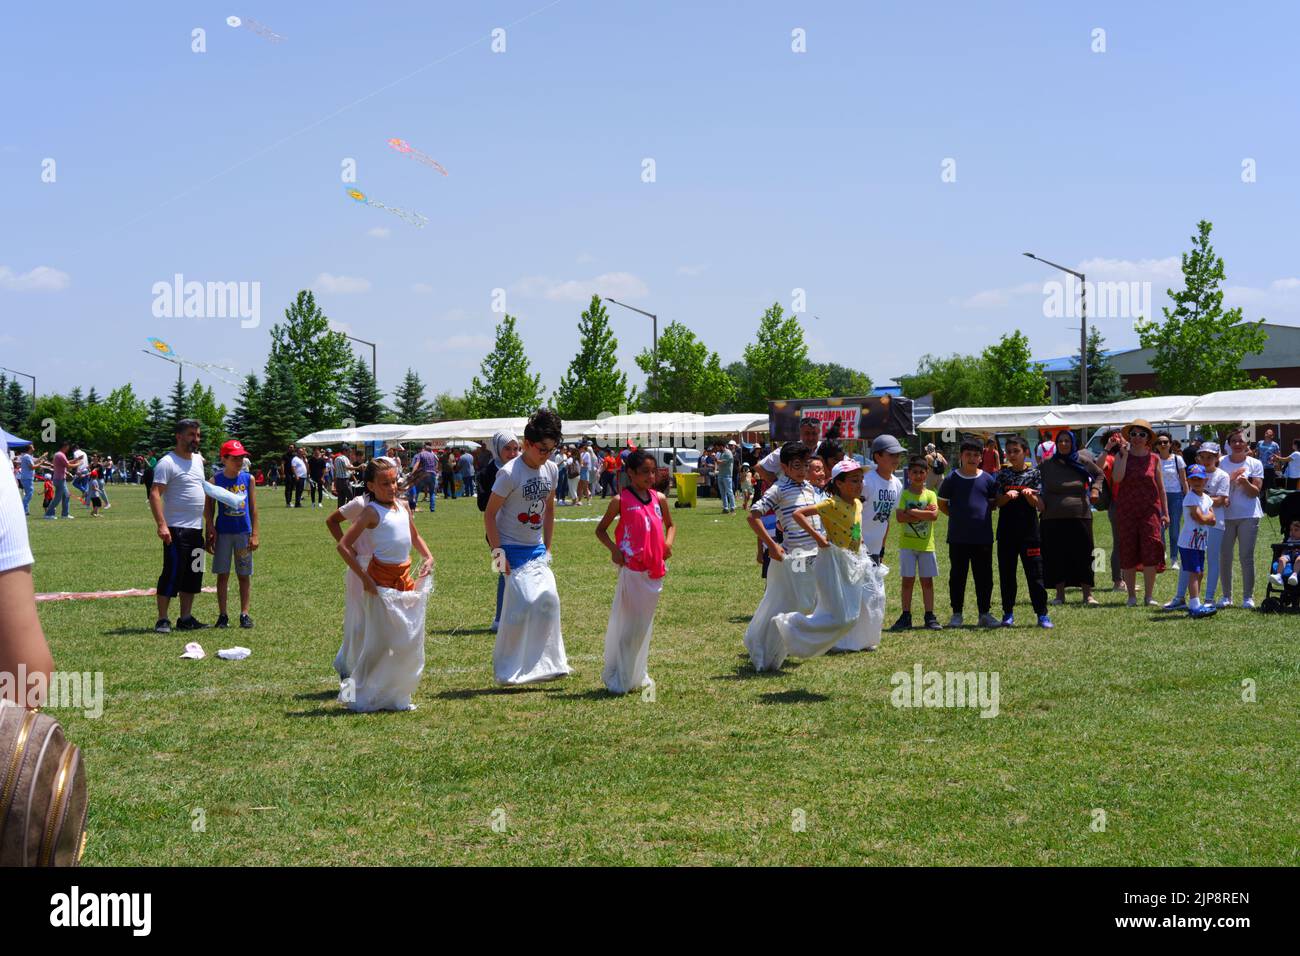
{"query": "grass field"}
pixel 1136 713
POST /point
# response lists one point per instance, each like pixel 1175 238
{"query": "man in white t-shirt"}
pixel 1241 521
pixel 810 433
pixel 299 477
pixel 1291 474
pixel 176 500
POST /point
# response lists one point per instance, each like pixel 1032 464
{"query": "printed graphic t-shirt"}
pixel 526 491
pixel 917 535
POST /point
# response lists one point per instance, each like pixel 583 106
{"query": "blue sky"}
pixel 774 171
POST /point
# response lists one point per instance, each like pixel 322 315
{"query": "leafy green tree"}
pixel 1009 375
pixel 362 403
pixel 689 378
pixel 506 388
pixel 842 381
pixel 1104 385
pixel 409 406
pixel 202 404
pixel 1199 347
pixel 53 411
pixel 280 420
pixel 593 383
pixel 740 376
pixel 115 424
pixel 954 381
pixel 319 359
pixel 447 407
pixel 243 420
pixel 778 361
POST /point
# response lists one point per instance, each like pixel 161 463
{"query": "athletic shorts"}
pixel 1193 560
pixel 911 562
pixel 236 545
pixel 182 571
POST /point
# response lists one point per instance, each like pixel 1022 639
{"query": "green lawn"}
pixel 1136 713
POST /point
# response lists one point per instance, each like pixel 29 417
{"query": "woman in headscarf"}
pixel 1071 483
pixel 504 446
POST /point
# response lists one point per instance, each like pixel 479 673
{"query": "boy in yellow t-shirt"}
pixel 918 510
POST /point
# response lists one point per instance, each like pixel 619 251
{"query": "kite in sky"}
pixel 251 24
pixel 402 146
pixel 414 218
pixel 162 350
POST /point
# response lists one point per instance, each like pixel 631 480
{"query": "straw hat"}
pixel 1138 423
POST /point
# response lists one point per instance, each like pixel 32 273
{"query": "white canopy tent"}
pixel 985 419
pixel 479 429
pixel 1163 408
pixel 1244 405
pixel 366 433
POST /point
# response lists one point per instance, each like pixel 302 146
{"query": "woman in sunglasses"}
pixel 1142 512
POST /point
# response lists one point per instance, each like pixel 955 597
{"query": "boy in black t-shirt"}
pixel 967 496
pixel 1019 504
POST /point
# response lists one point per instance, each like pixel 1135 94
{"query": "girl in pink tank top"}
pixel 644 537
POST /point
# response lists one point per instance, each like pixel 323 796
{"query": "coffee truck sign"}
pixel 858 418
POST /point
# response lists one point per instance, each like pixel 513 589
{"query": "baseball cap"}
pixel 887 444
pixel 732 443
pixel 1196 471
pixel 848 464
pixel 1208 446
pixel 234 448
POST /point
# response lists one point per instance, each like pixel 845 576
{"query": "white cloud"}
pixel 343 327
pixel 379 232
pixel 1169 268
pixel 995 298
pixel 1280 295
pixel 1161 273
pixel 341 285
pixel 40 279
pixel 621 285
pixel 691 270
pixel 423 288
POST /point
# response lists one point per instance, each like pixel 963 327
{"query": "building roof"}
pixel 1062 364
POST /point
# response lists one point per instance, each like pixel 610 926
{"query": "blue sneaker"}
pixel 1009 620
pixel 1045 622
pixel 1205 610
pixel 1177 604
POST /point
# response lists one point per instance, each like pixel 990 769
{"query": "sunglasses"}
pixel 1139 433
pixel 1163 441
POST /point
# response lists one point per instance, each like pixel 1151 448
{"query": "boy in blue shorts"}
pixel 234 534
pixel 1197 520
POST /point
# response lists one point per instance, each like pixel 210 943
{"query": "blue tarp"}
pixel 13 441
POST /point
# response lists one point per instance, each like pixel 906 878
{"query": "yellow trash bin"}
pixel 686 481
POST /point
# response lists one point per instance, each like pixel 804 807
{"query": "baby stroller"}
pixel 1285 506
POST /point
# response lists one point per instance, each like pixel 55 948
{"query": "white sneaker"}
pixel 1175 566
pixel 1248 604
pixel 954 621
pixel 1224 602
pixel 1277 579
pixel 1293 580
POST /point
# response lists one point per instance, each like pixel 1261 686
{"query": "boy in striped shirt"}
pixel 790 583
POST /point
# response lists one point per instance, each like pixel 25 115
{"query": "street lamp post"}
pixel 373 373
pixel 655 350
pixel 1083 324
pixel 24 375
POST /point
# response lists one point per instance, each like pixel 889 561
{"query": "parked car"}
pixel 687 459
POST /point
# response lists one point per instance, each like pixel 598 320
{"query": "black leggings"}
pixel 1031 558
pixel 979 558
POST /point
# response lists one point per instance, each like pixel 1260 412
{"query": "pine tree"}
pixel 178 406
pixel 159 433
pixel 5 421
pixel 593 383
pixel 242 421
pixel 318 358
pixel 361 403
pixel 281 421
pixel 506 389
pixel 202 404
pixel 17 405
pixel 408 401
pixel 76 401
pixel 1104 384
pixel 778 361
pixel 1199 347
pixel 92 398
